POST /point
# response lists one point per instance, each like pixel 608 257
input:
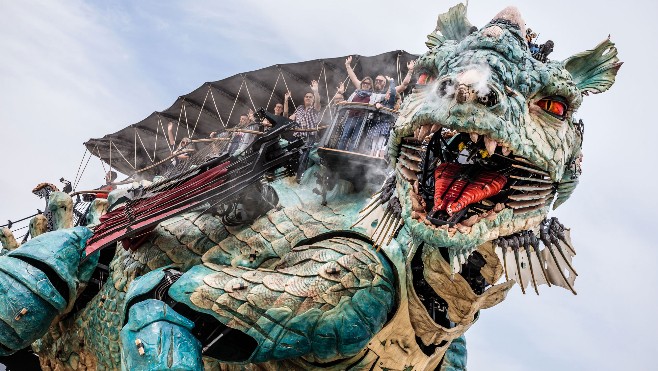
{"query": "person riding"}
pixel 369 92
pixel 308 115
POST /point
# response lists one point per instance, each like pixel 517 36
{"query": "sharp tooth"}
pixel 474 137
pixel 531 188
pixel 415 187
pixel 506 151
pixel 540 172
pixel 424 130
pixel 415 204
pixel 471 221
pixel 525 204
pixel 416 133
pixel 499 207
pixel 435 128
pixel 462 259
pixel 463 229
pixel 490 145
pixel 530 195
pixel 407 174
pixel 537 180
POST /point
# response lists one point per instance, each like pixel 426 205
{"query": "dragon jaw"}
pixel 482 149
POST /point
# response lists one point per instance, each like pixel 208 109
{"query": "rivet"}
pixel 140 347
pixel 20 314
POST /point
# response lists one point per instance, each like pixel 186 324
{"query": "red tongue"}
pixel 455 188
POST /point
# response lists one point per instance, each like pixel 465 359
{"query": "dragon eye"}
pixel 425 79
pixel 555 106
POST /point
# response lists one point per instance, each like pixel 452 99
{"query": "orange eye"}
pixel 554 105
pixel 424 79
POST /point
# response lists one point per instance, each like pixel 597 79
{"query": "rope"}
pixel 235 101
pixel 164 132
pixel 288 89
pixel 273 89
pixel 212 95
pixel 124 157
pixel 248 93
pixel 180 115
pixel 326 89
pixel 100 158
pixel 135 145
pixel 75 179
pixel 144 146
pixel 83 171
pixel 187 123
pixel 19 220
pixel 200 111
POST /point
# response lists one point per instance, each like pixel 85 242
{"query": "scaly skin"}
pixel 287 290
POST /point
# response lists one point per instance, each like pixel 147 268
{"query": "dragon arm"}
pixel 41 278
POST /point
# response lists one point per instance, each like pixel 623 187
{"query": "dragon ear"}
pixel 452 25
pixel 594 71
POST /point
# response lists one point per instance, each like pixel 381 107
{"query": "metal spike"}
pixel 373 202
pixel 381 226
pixel 515 249
pixel 503 248
pixel 534 242
pixel 392 221
pixel 397 227
pixel 563 238
pixel 556 242
pixel 525 241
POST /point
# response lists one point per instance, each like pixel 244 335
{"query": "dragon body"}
pixel 483 148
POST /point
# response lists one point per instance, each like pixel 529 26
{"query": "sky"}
pixel 73 70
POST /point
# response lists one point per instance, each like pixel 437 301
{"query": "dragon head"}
pixel 484 146
pixel 487 142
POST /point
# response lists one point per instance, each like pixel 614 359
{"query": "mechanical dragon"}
pixel 482 149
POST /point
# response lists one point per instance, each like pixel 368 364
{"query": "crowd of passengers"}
pixel 380 92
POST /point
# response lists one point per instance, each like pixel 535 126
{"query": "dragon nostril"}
pixel 462 94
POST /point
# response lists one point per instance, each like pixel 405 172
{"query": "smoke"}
pixel 476 76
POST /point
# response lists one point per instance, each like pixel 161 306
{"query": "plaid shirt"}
pixel 307 118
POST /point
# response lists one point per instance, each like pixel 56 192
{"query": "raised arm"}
pixel 170 134
pixel 316 95
pixel 350 72
pixel 407 78
pixel 285 103
pixel 340 91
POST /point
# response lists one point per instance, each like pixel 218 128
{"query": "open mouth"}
pixel 459 178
